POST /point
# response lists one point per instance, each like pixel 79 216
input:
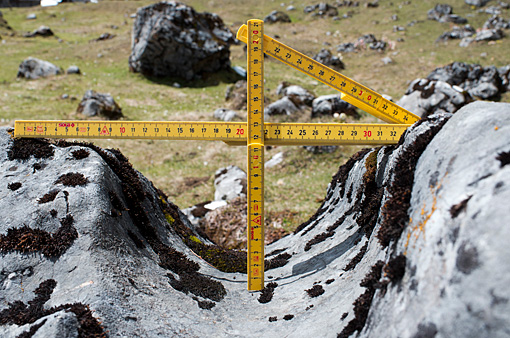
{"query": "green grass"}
pixel 297 185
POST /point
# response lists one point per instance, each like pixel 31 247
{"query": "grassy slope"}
pixel 300 182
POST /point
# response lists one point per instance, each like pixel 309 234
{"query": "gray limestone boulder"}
pixel 171 39
pixel 224 114
pixel 33 68
pixel 483 82
pixel 444 13
pixel 283 106
pixel 297 94
pixel 99 104
pixel 457 32
pixel 332 104
pixel 43 31
pixel 277 16
pixel 425 97
pixel 496 22
pixel 229 183
pixel 489 35
pixel 326 58
pixel 476 3
pixel 410 241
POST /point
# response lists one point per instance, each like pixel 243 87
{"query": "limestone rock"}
pixel 284 106
pixel 444 13
pixel 235 95
pixel 331 104
pixel 297 94
pixel 99 104
pixel 438 197
pixel 489 35
pixel 425 97
pixel 224 114
pixel 457 32
pixel 229 183
pixel 277 16
pixel 43 31
pixel 326 58
pixel 73 70
pixel 33 68
pixel 170 39
pixel 476 3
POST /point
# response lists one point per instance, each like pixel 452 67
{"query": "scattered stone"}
pixel 275 160
pixel 331 104
pixel 465 42
pixel 297 94
pixel 321 149
pixel 425 97
pixel 370 41
pixel 347 47
pixel 457 32
pixel 31 16
pixel 492 10
pixel 322 9
pixel 387 60
pixel 33 68
pixel 326 58
pixel 394 17
pixel 99 104
pixel 476 3
pixel 104 36
pixel 372 4
pixel 73 70
pixel 496 22
pixel 489 35
pixel 225 114
pixel 284 106
pixel 277 16
pixel 170 39
pixel 483 82
pixel 43 31
pixel 398 29
pixel 229 183
pixel 291 8
pixel 444 13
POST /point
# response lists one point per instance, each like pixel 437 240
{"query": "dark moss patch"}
pixel 24 148
pixel 138 242
pixel 359 256
pixel 329 281
pixel 318 239
pixel 344 315
pixel 277 262
pixel 198 285
pixel 72 179
pixel 395 268
pixel 266 294
pixel 273 319
pixel 117 205
pixel 456 209
pixel 36 166
pixel 175 261
pixel 394 211
pixel 340 178
pixel 53 213
pixel 276 252
pixel 503 158
pixel 205 304
pixel 14 186
pixel 19 313
pixel 80 154
pixel 364 301
pixel 288 317
pixel 315 291
pixel 371 204
pixel 27 240
pixel 48 197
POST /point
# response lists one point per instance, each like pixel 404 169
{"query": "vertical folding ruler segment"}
pixel 255 126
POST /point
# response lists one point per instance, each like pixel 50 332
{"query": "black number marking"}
pixel 289 132
pixel 354 133
pixel 302 132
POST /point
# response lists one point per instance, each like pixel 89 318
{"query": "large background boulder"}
pixel 170 39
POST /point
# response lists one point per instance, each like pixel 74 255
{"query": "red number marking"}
pixel 122 129
pixel 367 133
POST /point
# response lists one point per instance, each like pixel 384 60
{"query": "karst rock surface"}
pixel 170 39
pixel 411 241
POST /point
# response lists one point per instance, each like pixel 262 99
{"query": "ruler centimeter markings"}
pixel 255 142
pixel 254 133
pixel 351 91
pixel 233 133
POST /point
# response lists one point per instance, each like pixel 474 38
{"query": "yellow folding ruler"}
pixel 254 133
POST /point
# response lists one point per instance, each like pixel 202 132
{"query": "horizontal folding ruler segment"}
pixel 249 133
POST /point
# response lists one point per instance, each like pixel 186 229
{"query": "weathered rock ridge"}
pixel 411 241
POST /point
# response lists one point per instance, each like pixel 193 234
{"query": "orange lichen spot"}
pixel 496 128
